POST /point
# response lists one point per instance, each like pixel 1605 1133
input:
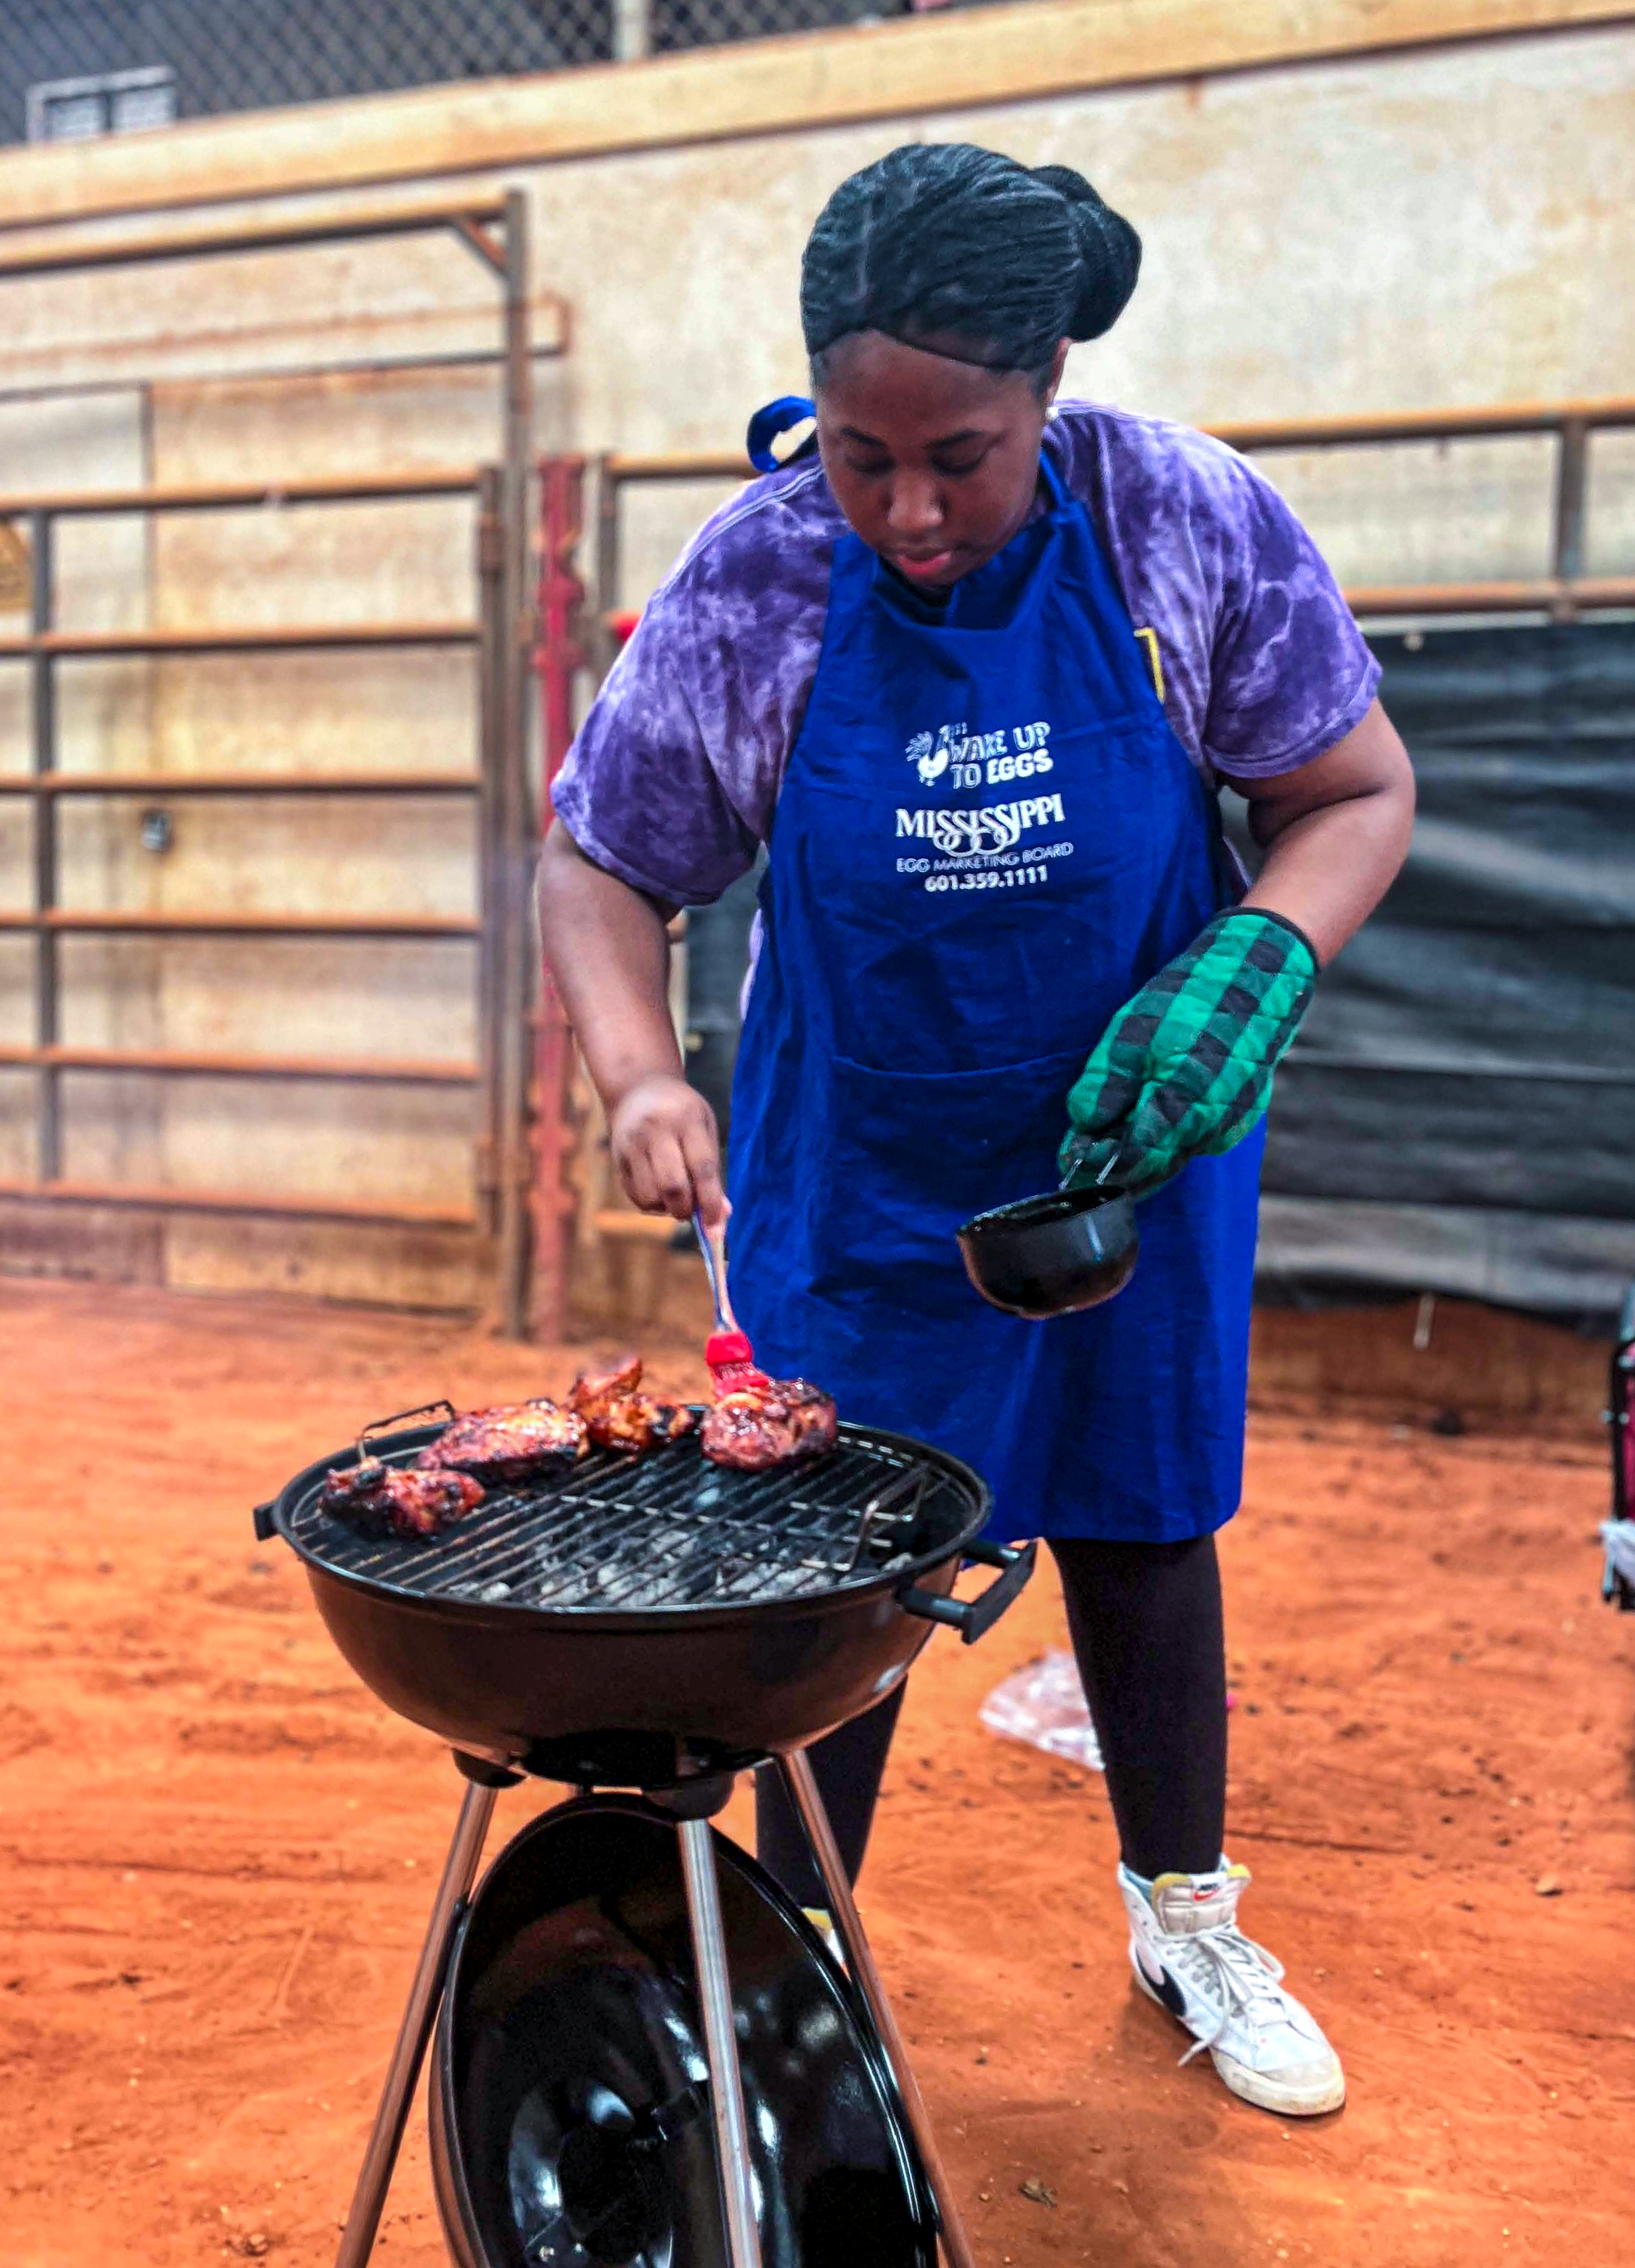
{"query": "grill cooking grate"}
pixel 614 1534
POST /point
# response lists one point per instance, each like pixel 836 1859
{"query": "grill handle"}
pixel 971 1617
pixel 443 1409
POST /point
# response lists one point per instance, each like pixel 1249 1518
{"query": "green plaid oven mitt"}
pixel 1184 1069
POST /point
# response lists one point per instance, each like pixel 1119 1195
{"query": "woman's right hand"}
pixel 668 1148
pixel 606 946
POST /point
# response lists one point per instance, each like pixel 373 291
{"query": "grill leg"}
pixel 803 1793
pixel 726 2086
pixel 375 2177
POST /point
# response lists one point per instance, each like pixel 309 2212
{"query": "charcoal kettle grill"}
pixel 607 2092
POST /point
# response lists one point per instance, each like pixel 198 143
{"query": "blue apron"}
pixel 988 837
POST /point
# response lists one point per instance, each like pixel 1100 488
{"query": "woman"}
pixel 971 671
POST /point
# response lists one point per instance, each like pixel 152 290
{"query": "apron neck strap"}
pixel 765 427
pixel 1052 480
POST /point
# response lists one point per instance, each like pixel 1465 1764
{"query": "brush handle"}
pixel 712 1244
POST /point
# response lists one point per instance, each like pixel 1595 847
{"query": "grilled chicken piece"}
pixel 618 1415
pixel 391 1500
pixel 516 1442
pixel 781 1423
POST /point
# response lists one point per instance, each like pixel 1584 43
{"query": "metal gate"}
pixel 497 636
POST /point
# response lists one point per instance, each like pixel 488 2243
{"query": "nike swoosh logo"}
pixel 1167 1990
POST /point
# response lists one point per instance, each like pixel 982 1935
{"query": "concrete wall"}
pixel 1405 233
pixel 1397 231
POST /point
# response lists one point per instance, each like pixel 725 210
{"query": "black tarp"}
pixel 1458 1113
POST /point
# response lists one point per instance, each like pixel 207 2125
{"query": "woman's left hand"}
pixel 1185 1068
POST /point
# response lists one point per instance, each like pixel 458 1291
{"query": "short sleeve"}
pixel 639 792
pixel 1290 672
pixel 673 780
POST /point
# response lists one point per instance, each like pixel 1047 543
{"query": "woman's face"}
pixel 933 461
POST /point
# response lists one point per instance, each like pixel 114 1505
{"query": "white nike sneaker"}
pixel 1190 1956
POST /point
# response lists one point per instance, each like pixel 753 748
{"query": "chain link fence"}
pixel 675 24
pixel 74 67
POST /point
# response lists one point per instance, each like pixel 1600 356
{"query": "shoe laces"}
pixel 1244 1975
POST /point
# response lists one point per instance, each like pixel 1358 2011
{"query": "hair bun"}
pixel 959 251
pixel 1109 253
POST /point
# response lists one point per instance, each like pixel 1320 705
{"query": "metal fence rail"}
pixel 48 920
pixel 70 68
pixel 1563 592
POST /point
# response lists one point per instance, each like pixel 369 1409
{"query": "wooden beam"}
pixel 962 59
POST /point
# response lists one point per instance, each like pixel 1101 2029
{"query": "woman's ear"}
pixel 1053 376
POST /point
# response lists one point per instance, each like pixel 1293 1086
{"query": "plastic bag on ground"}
pixel 1043 1703
pixel 1618 1579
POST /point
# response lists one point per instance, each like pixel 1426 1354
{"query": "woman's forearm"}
pixel 607 949
pixel 606 946
pixel 1335 833
pixel 1328 870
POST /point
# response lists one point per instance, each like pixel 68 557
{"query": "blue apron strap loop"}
pixel 779 416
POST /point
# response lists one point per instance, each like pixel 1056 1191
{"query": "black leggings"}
pixel 1146 1630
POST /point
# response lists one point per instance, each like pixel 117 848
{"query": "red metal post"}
pixel 558 658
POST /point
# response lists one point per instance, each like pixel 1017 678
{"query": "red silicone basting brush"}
pixel 729 1354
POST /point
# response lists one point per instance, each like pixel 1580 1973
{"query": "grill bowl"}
pixel 644 1695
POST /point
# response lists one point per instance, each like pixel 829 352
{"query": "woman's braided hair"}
pixel 958 250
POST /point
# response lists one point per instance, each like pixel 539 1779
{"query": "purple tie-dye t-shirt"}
pixel 674 778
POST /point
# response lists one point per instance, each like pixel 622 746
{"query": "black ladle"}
pixel 1053 1254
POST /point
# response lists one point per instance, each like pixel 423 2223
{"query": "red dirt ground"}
pixel 216 1851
